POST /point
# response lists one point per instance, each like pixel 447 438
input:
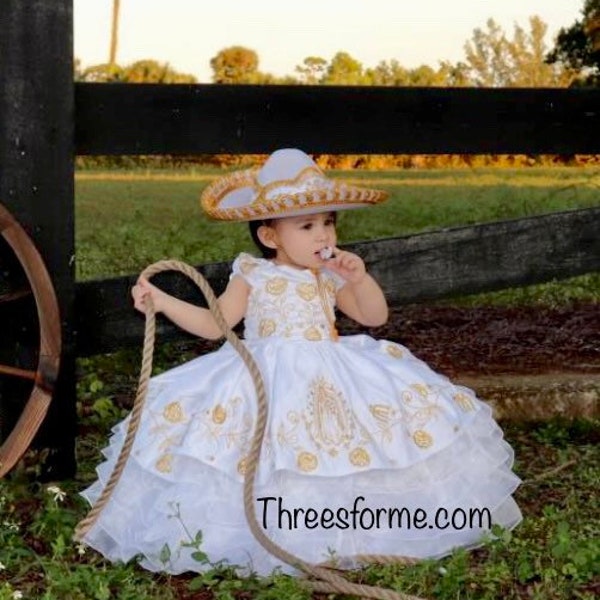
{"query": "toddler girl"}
pixel 366 450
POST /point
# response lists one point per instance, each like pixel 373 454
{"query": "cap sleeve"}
pixel 245 265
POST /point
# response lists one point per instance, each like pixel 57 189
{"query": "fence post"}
pixel 36 176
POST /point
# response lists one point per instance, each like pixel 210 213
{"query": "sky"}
pixel 186 34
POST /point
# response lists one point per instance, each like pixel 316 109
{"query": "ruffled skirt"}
pixel 366 451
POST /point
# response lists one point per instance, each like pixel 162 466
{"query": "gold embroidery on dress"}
pixel 420 402
pixel 307 461
pixel 386 418
pixel 330 287
pixel 306 291
pixel 329 420
pixel 219 414
pixel 220 422
pixel 174 413
pixel 289 437
pixel 266 327
pixel 394 351
pixel 164 463
pixel 276 286
pixel 463 401
pixel 327 302
pixel 359 457
pixel 421 388
pixel 422 439
pixel 168 441
pixel 313 334
pixel 242 466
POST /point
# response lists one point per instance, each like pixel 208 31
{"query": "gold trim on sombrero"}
pixel 216 191
pixel 326 193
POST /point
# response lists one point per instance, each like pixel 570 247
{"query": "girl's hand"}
pixel 349 266
pixel 144 289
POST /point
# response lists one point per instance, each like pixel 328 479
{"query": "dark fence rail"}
pixel 196 119
pixel 425 266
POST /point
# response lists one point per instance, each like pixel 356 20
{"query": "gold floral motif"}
pixel 394 351
pixel 359 457
pixel 421 388
pixel 387 418
pixel 276 286
pixel 422 438
pixel 306 291
pixel 313 334
pixel 288 436
pixel 266 327
pixel 242 466
pixel 174 413
pixel 382 412
pixel 226 422
pixel 307 461
pixel 164 463
pixel 330 287
pixel 463 401
pixel 219 414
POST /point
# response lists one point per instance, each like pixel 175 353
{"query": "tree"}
pixel 578 46
pixel 103 73
pixel 151 71
pixel 527 53
pixel 494 60
pixel 344 70
pixel 236 64
pixel 392 73
pixel 312 70
pixel 141 71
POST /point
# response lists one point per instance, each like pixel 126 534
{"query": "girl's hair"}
pixel 265 250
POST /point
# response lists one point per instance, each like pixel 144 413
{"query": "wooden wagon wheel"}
pixel 44 377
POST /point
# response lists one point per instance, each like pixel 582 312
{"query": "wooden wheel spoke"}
pixel 18 372
pixel 10 296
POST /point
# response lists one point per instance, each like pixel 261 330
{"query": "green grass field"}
pixel 126 220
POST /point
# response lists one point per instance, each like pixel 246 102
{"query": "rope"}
pixel 327 581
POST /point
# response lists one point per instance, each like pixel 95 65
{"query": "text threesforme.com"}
pixel 361 516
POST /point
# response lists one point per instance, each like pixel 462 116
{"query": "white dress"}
pixel 366 451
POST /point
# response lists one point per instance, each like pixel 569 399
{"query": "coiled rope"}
pixel 325 579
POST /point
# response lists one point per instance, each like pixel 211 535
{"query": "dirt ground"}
pixel 495 340
pixel 483 341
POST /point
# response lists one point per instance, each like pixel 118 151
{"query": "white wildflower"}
pixel 59 495
pixel 10 525
pixel 17 595
pixel 2 566
pixel 442 571
pixel 81 549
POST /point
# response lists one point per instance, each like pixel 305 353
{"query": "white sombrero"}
pixel 289 184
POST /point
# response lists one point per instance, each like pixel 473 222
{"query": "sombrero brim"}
pixel 239 196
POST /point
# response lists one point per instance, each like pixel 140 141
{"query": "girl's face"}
pixel 299 240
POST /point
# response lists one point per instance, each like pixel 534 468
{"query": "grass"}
pixel 127 220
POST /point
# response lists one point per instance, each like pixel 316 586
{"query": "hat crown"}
pixel 283 165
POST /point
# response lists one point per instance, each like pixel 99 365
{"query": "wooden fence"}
pixel 45 119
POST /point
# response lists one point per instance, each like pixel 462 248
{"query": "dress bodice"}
pixel 287 302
